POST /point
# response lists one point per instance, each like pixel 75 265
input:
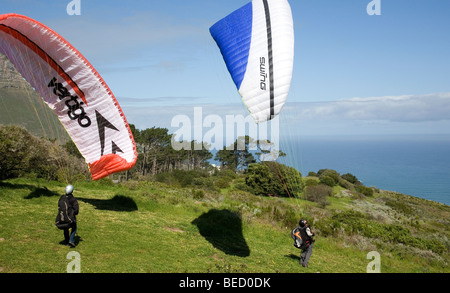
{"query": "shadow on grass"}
pixel 34 191
pixel 223 229
pixel 16 185
pixel 119 203
pixel 77 240
pixel 41 191
pixel 293 256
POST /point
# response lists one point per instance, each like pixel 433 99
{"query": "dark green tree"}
pixel 237 156
pixel 259 177
pixel 351 178
pixel 274 179
pixel 242 151
pixel 328 177
pixel 226 158
pixel 152 142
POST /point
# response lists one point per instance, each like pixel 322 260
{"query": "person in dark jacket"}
pixel 73 211
pixel 308 234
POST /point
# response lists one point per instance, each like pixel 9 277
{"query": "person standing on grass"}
pixel 306 234
pixel 68 203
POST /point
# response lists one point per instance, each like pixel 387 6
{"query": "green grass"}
pixel 150 227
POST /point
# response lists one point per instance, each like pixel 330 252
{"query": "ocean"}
pixel 417 166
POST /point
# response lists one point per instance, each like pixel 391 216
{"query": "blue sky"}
pixel 354 74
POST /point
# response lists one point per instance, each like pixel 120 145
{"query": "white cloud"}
pixel 407 108
pixel 409 114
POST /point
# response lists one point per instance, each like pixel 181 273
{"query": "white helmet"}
pixel 69 189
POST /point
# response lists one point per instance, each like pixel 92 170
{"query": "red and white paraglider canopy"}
pixel 74 90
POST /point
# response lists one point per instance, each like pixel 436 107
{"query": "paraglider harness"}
pixel 301 239
pixel 66 213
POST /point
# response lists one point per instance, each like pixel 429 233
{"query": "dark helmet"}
pixel 302 223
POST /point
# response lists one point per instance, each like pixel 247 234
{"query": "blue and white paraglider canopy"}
pixel 257 44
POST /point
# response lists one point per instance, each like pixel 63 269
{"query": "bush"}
pixel 292 180
pixel 15 147
pixel 334 175
pixel 351 178
pixel 222 183
pixel 183 178
pixel 344 183
pixel 167 178
pixel 271 178
pixel 22 154
pixel 226 173
pixel 327 180
pixel 399 206
pixel 279 212
pixel 367 191
pixel 260 179
pixel 354 222
pixel 312 174
pixel 318 193
pixel 197 194
pixel 241 185
pixel 311 182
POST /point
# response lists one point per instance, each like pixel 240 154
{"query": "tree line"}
pixel 22 154
pixel 156 154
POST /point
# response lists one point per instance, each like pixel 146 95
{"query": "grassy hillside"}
pixel 29 111
pixel 21 105
pixel 151 227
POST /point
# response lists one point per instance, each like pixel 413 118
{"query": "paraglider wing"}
pixel 257 44
pixel 74 90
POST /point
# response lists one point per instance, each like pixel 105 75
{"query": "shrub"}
pixel 197 193
pixel 318 193
pixel 354 222
pixel 271 178
pixel 222 183
pixel 327 180
pixel 330 173
pixel 367 191
pixel 184 178
pixel 344 183
pixel 241 185
pixel 226 173
pixel 260 179
pixel 311 182
pixel 23 154
pixel 15 145
pixel 399 206
pixel 167 178
pixel 351 178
